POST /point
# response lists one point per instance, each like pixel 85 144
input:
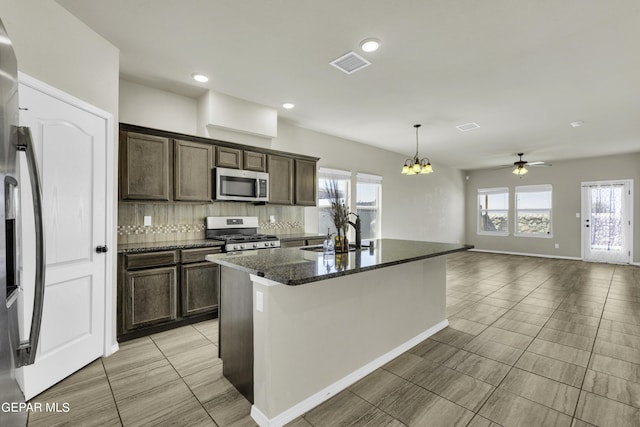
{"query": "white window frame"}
pixel 533 189
pixel 363 178
pixel 337 174
pixel 485 191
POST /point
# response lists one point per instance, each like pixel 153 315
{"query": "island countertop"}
pixel 295 266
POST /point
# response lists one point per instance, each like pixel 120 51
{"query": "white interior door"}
pixel 606 221
pixel 70 145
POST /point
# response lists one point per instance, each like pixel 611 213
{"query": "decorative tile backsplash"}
pixel 177 222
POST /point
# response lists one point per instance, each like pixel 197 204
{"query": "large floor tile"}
pixel 551 368
pixel 494 350
pixel 613 388
pixel 479 367
pixel 601 411
pixel 508 409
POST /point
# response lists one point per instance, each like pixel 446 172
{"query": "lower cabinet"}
pixel 199 284
pixel 150 296
pixel 165 289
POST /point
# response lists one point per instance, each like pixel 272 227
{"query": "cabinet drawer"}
pixel 197 255
pixel 150 259
pixel 291 243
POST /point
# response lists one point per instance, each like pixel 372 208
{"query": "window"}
pixel 533 211
pixel 493 211
pixel 343 181
pixel 368 194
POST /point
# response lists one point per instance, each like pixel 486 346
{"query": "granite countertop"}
pixel 295 266
pixel 129 248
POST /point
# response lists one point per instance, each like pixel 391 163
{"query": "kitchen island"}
pixel 297 326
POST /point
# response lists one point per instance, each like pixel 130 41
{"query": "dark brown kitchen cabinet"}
pixel 160 290
pixel 145 167
pixel 192 171
pixel 227 157
pixel 280 170
pixel 150 297
pixel 292 243
pixel 253 161
pixel 199 286
pixel 199 281
pixel 305 182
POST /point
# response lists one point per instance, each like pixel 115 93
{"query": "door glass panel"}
pixel 606 218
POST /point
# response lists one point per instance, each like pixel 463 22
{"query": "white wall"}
pixel 158 109
pixel 429 207
pixel 56 48
pixel 565 178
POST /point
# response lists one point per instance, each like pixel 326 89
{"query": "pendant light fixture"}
pixel 417 165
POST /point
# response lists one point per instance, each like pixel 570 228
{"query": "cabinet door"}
pixel 192 171
pixel 280 179
pixel 305 182
pixel 253 161
pixel 228 158
pixel 199 288
pixel 144 167
pixel 150 297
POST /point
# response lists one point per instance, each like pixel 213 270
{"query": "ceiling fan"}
pixel 520 166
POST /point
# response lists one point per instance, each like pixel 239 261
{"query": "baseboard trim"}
pixel 526 254
pixel 324 394
pixel 637 264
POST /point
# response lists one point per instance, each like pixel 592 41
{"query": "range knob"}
pixel 255 245
pixel 272 243
pixel 242 246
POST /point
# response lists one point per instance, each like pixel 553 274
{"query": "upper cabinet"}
pixel 163 166
pixel 253 161
pixel 280 170
pixel 228 158
pixel 305 182
pixel 192 171
pixel 145 167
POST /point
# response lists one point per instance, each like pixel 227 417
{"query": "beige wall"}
pixel 566 178
pixel 418 208
pixel 158 109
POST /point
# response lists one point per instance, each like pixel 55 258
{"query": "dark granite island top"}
pixel 296 266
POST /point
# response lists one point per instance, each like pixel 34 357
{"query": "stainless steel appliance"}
pixel 239 233
pixel 13 352
pixel 239 185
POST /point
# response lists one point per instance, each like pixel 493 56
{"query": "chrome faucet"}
pixel 357 226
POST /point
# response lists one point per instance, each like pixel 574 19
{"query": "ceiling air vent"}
pixel 350 62
pixel 467 126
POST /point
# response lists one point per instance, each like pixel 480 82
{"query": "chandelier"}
pixel 417 165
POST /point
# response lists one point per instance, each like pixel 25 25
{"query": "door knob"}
pixel 101 249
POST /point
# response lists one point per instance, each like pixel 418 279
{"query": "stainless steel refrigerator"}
pixel 15 352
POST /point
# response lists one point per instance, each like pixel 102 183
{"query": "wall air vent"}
pixel 350 62
pixel 467 126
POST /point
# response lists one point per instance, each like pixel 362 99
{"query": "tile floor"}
pixel 530 342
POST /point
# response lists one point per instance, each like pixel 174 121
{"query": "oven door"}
pixel 239 185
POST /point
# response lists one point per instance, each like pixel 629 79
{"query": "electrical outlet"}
pixel 577 214
pixel 557 246
pixel 272 219
pixel 147 220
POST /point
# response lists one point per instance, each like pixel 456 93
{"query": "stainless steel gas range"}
pixel 239 233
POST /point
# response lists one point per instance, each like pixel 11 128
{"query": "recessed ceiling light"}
pixel 288 105
pixel 467 126
pixel 200 77
pixel 576 124
pixel 369 45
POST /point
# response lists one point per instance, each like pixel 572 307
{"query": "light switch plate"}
pixel 259 301
pixel 147 220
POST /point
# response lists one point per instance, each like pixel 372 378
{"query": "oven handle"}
pixel 26 352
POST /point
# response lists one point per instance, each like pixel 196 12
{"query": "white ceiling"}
pixel 523 70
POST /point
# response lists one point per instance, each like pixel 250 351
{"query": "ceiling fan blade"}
pixel 537 164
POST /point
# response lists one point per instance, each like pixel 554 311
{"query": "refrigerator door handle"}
pixel 27 349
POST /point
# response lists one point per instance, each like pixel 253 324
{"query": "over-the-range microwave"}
pixel 241 186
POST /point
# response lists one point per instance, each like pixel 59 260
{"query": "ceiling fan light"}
pixel 416 167
pixel 405 170
pixel 520 170
pixel 427 168
pixel 411 172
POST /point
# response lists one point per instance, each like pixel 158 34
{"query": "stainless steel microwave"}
pixel 239 185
